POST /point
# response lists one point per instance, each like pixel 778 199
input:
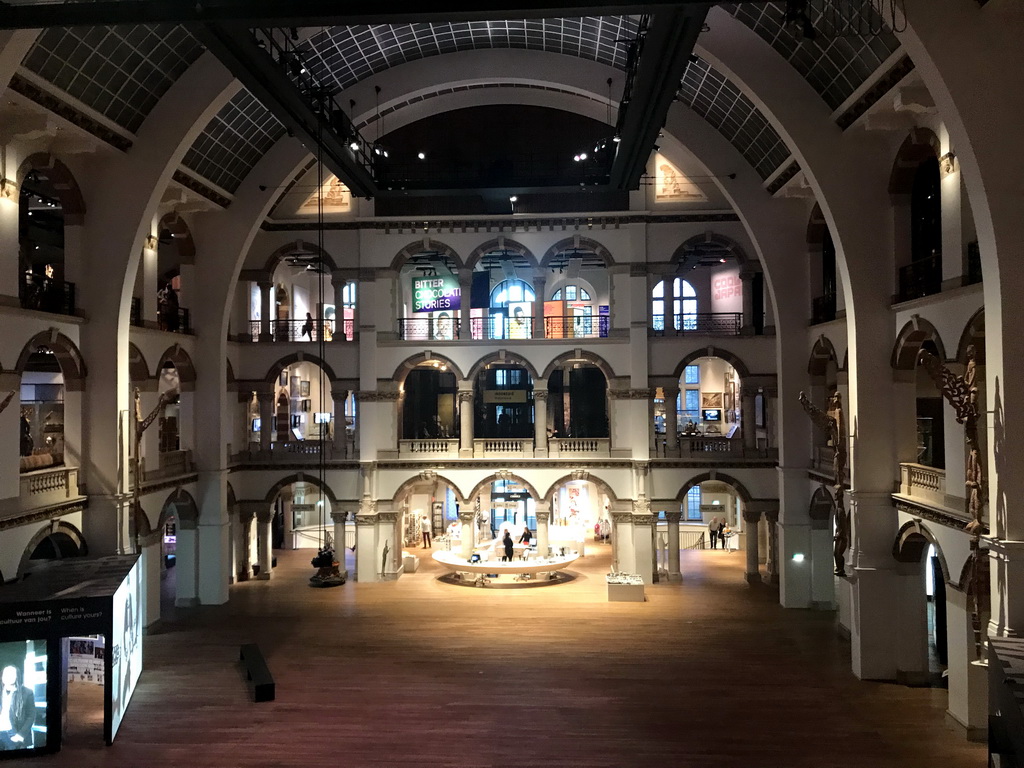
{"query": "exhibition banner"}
pixel 504 396
pixel 430 294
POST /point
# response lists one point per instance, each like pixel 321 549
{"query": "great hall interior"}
pixel 637 377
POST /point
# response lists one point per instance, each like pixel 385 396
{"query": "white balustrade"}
pixel 47 487
pixel 925 483
pixel 503 447
pixel 581 447
pixel 434 448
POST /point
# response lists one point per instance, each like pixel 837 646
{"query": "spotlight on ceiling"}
pixel 354 146
pixel 513 199
pixel 616 139
pixel 576 158
pixel 421 156
pixel 583 155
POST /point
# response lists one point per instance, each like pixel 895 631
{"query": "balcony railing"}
pixel 700 323
pixel 175 320
pixel 302 330
pixel 823 309
pixel 293 451
pixel 48 295
pixel 439 448
pixel 579 447
pixel 577 327
pixel 429 328
pixel 48 487
pixel 503 447
pixel 920 278
pixel 704 446
pixel 925 483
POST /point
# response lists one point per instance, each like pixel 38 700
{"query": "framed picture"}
pixel 284 378
pixel 306 404
pixel 711 400
pixel 303 389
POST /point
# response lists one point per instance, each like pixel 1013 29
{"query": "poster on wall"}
pixel 727 291
pixel 125 657
pixel 24 676
pixel 434 294
pixel 519 320
pixel 671 186
pixel 336 198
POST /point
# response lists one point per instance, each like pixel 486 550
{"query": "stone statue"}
pixel 833 423
pixel 961 392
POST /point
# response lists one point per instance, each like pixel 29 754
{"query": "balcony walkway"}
pixel 414 672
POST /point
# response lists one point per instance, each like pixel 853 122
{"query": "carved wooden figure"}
pixel 833 423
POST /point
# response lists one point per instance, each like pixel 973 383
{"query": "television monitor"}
pixel 257 424
pixel 321 418
pixel 712 414
pixel 26 673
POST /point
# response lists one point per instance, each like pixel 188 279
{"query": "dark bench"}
pixel 257 672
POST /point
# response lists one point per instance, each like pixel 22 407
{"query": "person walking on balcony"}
pixel 307 327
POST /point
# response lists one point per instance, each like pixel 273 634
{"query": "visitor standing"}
pixel 713 527
pixel 425 529
pixel 509 544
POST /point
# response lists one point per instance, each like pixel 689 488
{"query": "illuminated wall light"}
pixel 8 189
pixel 798 557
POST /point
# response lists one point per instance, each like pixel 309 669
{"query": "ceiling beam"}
pixel 663 58
pixel 235 46
pixel 301 13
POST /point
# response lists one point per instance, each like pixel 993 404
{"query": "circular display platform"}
pixel 497 574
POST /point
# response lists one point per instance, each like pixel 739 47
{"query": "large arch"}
pixel 298 357
pixel 300 477
pixel 922 144
pixel 690 249
pixel 912 542
pixel 581 355
pixel 431 476
pixel 299 246
pixel 577 243
pixel 138 368
pixel 72 365
pixel 710 351
pixel 69 543
pixel 822 353
pixel 502 356
pixel 426 245
pixel 180 504
pixel 182 362
pixel 909 342
pixel 71 200
pixel 717 477
pixel 503 475
pixel 500 244
pixel 580 475
pixel 402 371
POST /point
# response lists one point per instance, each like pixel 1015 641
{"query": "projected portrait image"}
pixel 23 677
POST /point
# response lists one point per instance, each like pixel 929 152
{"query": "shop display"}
pixel 625 588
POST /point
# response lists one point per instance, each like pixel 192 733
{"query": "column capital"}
pixel 465 396
pixel 265 285
pixel 751 515
pixel 339 517
pixel 674 517
pixel 265 515
pixel 622 517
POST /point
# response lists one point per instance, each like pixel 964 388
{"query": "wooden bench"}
pixel 257 672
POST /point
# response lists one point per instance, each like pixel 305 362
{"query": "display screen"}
pixel 126 645
pixel 712 414
pixel 23 679
pixel 257 424
pixel 321 418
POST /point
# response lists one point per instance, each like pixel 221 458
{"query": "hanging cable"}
pixel 320 331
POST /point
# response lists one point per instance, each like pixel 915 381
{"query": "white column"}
pixel 150 453
pixel 542 510
pixel 643 544
pixel 468 521
pixel 338 284
pixel 466 419
pixel 340 543
pixel 673 546
pixel 288 515
pixel 152 569
pixel 540 419
pixel 967 703
pixel 747 326
pixel 186 566
pixel 243 542
pixel 539 288
pixel 367 560
pixel 264 517
pixel 771 565
pixel 623 552
pixel 340 442
pixel 149 287
pixel 671 422
pixel 265 307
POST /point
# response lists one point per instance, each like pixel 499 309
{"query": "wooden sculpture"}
pixel 833 423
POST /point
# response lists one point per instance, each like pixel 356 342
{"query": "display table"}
pixel 530 567
pixel 625 588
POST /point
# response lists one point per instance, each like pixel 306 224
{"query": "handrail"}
pixel 302 330
pixel 701 323
pixel 920 278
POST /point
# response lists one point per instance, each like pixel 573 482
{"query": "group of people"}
pixel 509 543
pixel 603 530
pixel 719 532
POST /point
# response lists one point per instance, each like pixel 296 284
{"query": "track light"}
pixel 421 156
pixel 354 146
pixel 513 199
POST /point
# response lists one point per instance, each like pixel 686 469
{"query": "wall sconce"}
pixel 947 163
pixel 151 242
pixel 8 189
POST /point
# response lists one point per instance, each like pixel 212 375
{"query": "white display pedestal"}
pixel 631 592
pixel 410 563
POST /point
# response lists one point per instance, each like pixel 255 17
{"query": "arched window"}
pixel 693 503
pixel 684 306
pixel 511 292
pixel 926 213
pixel 571 293
pixel 512 301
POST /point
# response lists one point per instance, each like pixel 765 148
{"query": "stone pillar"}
pixel 967 703
pixel 468 533
pixel 539 288
pixel 366 543
pixel 623 554
pixel 751 519
pixel 466 419
pixel 671 422
pixel 466 288
pixel 748 422
pixel 673 546
pixel 747 326
pixel 540 419
pixel 186 566
pixel 264 517
pixel 266 401
pixel 389 534
pixel 542 510
pixel 340 540
pixel 338 283
pixel 643 540
pixel 288 516
pixel 242 543
pixel 266 304
pixel 152 568
pixel 339 443
pixel 771 565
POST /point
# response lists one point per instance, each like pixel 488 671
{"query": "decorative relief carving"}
pixel 622 517
pixel 631 394
pixel 466 396
pixel 377 396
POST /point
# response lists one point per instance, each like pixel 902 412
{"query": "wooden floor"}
pixel 418 673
